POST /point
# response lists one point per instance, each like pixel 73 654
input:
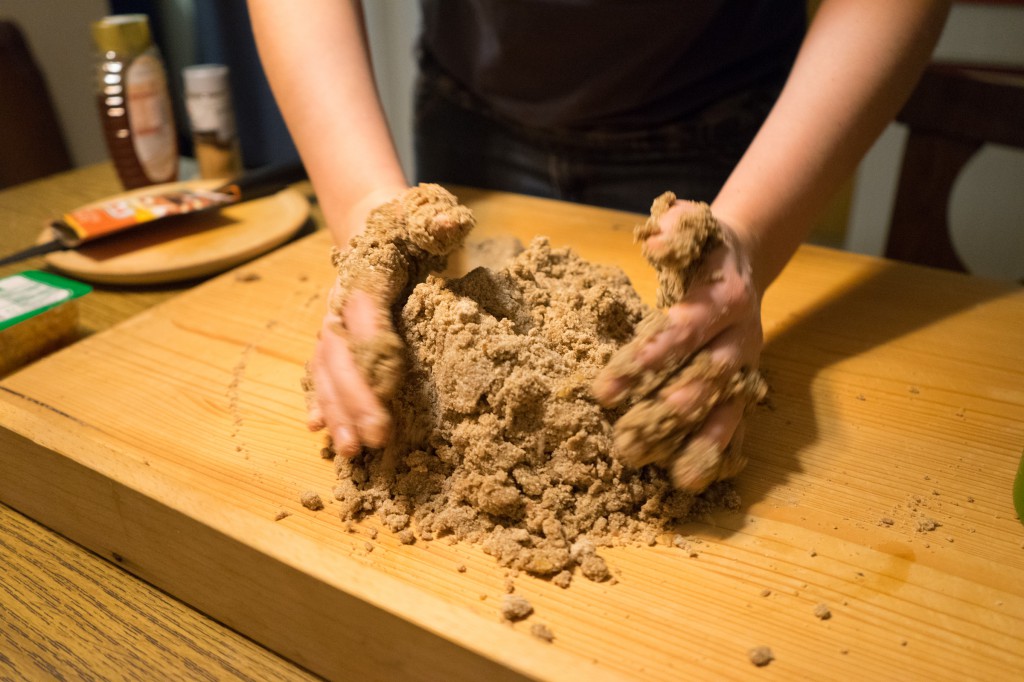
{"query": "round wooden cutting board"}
pixel 190 246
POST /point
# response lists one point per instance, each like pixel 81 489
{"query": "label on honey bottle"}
pixel 150 118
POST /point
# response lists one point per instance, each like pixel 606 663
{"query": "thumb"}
pixel 375 347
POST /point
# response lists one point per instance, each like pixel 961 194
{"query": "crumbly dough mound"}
pixel 497 438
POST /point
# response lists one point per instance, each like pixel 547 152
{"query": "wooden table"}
pixel 64 611
pixel 879 484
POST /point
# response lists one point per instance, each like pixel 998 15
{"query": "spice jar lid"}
pixel 205 78
pixel 124 33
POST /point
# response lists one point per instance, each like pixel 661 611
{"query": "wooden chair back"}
pixel 31 141
pixel 954 111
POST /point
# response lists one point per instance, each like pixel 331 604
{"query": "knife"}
pixel 119 214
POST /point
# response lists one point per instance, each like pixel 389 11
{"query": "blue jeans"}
pixel 458 141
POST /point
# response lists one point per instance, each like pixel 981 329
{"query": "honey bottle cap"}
pixel 122 33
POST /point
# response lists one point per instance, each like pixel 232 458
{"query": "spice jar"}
pixel 134 103
pixel 208 100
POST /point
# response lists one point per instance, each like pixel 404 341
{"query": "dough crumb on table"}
pixel 563 579
pixel 542 631
pixel 514 607
pixel 497 438
pixel 761 656
pixel 311 500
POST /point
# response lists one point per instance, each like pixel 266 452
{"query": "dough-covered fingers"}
pixel 329 403
pixel 663 344
pixel 658 427
pixel 693 364
pixel 655 428
pixel 733 459
pixel 701 461
pixel 356 370
pixel 718 296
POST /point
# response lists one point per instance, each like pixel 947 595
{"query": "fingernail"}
pixel 345 442
pixel 610 391
pixel 697 467
pixel 315 418
pixel 374 429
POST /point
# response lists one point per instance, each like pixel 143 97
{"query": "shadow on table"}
pixel 887 304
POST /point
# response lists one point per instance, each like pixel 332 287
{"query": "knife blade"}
pixel 37 250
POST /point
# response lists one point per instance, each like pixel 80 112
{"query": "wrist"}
pixel 346 216
pixel 360 209
pixel 748 243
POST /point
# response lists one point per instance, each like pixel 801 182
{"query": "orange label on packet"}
pixel 98 220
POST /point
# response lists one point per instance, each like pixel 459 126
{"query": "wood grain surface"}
pixel 174 441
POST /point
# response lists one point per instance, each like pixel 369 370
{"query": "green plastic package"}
pixel 1018 489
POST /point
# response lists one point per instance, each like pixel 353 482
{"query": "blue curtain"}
pixel 224 35
pixel 221 33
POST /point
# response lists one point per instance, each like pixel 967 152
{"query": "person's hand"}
pixel 705 352
pixel 358 362
pixel 344 403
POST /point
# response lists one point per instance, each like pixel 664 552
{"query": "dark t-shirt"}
pixel 618 64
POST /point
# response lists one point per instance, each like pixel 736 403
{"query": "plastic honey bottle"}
pixel 134 102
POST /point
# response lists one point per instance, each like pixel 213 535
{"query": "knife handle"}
pixel 264 180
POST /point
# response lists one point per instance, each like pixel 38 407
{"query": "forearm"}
pixel 858 64
pixel 316 59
